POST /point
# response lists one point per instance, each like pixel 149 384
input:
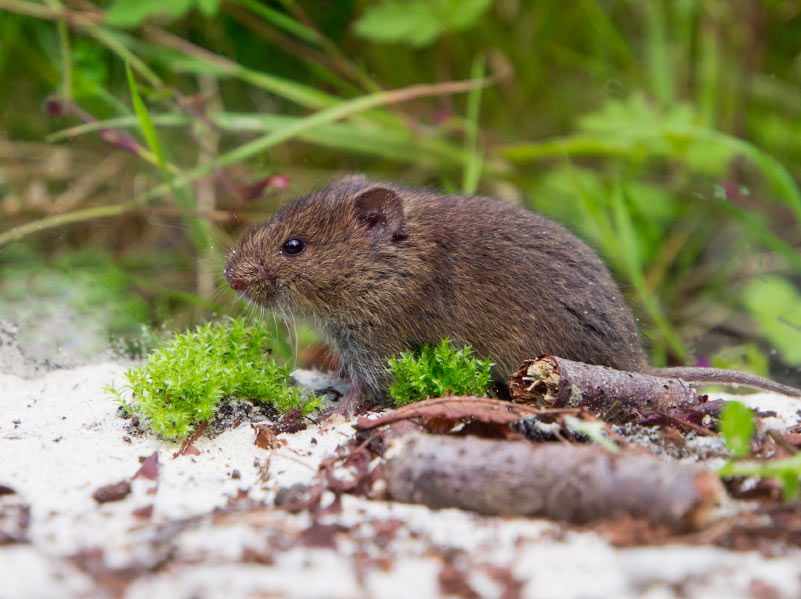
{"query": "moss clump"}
pixel 436 371
pixel 183 382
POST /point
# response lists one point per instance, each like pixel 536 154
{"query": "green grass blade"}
pixel 472 169
pixel 146 124
pixel 658 52
pixel 60 220
pixel 708 71
pixel 198 229
pixel 630 253
pixel 401 146
pixel 328 115
pixel 66 54
pixel 608 32
pixel 281 21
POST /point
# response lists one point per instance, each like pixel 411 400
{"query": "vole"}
pixel 383 269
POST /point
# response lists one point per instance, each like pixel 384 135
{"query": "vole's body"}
pixel 385 270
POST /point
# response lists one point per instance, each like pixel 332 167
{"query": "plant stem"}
pixel 60 220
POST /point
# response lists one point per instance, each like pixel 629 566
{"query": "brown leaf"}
pixel 257 556
pixel 150 467
pixel 320 535
pixel 191 450
pixel 453 582
pixel 113 492
pixel 291 422
pixel 190 440
pixel 144 512
pixel 265 437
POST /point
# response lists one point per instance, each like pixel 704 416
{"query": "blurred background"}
pixel 140 138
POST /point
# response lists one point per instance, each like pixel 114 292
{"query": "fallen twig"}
pixel 575 483
pixel 460 408
pixel 618 396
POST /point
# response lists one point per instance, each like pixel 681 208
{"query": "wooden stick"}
pixel 574 483
pixel 619 396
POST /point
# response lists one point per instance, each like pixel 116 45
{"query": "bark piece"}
pixel 578 484
pixel 114 492
pixel 620 396
pixel 15 519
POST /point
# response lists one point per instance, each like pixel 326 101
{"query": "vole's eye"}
pixel 293 246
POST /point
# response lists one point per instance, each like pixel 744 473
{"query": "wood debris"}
pixel 573 483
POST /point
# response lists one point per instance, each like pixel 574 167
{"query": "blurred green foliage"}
pixel 129 13
pixel 418 22
pixel 737 427
pixel 666 133
pixel 776 306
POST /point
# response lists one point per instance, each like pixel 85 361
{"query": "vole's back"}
pixel 513 284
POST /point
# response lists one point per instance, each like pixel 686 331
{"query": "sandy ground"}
pixel 214 533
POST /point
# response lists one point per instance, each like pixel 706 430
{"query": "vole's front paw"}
pixel 355 401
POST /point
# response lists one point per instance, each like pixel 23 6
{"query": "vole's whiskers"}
pixel 286 325
pixel 294 335
pixel 219 294
pixel 275 326
pixel 249 310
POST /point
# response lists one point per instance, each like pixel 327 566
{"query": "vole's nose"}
pixel 237 284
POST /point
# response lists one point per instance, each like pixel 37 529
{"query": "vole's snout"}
pixel 237 284
pixel 249 278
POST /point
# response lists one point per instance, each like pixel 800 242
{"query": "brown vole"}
pixel 382 269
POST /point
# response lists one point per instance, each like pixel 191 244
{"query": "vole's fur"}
pixel 387 269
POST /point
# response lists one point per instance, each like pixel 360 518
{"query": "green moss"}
pixel 435 371
pixel 182 383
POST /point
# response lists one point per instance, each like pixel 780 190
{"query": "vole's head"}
pixel 323 253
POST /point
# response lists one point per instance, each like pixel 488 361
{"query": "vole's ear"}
pixel 380 211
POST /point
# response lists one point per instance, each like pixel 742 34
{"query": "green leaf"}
pixel 208 8
pixel 775 304
pixel 179 8
pixel 130 13
pixel 418 22
pixel 392 21
pixel 459 15
pixel 786 471
pixel 737 426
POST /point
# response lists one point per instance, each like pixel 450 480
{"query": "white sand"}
pixel 61 439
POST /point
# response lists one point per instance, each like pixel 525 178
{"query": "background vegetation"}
pixel 666 133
